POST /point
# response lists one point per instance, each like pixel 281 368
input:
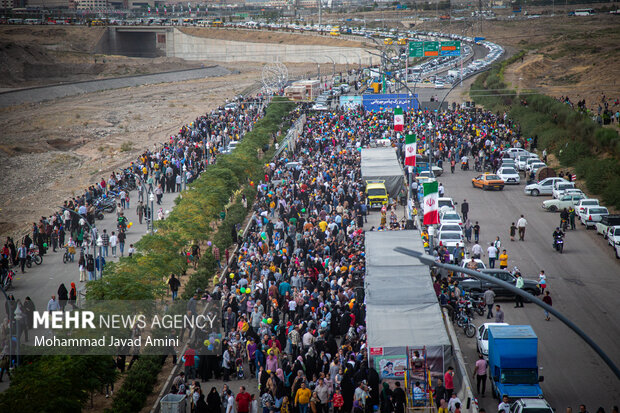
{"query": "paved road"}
pixel 41 281
pixel 584 283
pixel 40 94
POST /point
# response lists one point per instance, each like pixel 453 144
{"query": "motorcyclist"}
pixel 122 222
pixel 557 234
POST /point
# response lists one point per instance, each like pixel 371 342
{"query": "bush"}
pixel 137 386
pixel 573 152
pixel 607 138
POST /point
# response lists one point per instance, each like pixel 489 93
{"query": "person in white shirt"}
pixel 453 401
pixel 504 406
pixel 230 405
pixel 113 243
pixel 492 251
pixel 521 224
pixel 476 251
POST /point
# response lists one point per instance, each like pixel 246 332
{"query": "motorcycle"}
pixel 464 166
pixel 6 280
pixel 33 256
pixel 558 243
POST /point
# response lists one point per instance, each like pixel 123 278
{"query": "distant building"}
pixel 48 4
pixel 92 4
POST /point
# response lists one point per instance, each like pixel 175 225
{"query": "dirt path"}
pixel 52 151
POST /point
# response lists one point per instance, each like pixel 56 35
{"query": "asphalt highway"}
pixel 583 281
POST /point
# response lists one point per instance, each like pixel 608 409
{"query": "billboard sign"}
pixel 350 101
pixel 416 49
pixel 388 101
pixel 431 49
pixel 451 48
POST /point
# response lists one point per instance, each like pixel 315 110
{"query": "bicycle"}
pixel 66 256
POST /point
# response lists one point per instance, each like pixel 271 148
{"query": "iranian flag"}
pixel 431 210
pixel 410 150
pixel 399 120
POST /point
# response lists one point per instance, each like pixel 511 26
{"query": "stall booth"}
pixel 407 339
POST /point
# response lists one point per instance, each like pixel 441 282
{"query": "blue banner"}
pixel 350 101
pixel 389 101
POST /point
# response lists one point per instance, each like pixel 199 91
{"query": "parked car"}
pixel 613 235
pixel 449 227
pixel 591 215
pixel 560 187
pixel 515 152
pixel 531 406
pixel 544 187
pixel 508 163
pixel 482 337
pixel 584 203
pixel 535 166
pixel 509 175
pixel 445 202
pixel 607 222
pixel 450 217
pixel 479 264
pixel 488 181
pixel 522 160
pixel 475 285
pixel 566 201
pixel 449 238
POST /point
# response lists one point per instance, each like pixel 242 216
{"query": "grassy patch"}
pixel 126 146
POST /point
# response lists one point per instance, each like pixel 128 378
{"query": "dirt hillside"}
pixel 52 150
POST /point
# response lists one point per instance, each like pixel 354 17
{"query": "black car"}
pixel 474 285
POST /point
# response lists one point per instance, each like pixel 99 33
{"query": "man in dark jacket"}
pixel 464 209
pixel 399 399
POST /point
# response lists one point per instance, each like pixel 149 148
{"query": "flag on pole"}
pixel 149 10
pixel 410 150
pixel 431 210
pixel 399 120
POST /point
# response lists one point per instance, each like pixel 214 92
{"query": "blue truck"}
pixel 513 362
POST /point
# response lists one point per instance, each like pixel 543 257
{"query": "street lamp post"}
pixel 430 261
pixel 151 211
pixel 318 68
pixel 333 66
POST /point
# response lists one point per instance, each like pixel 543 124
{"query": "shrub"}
pixel 137 386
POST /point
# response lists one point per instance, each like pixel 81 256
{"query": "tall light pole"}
pixel 333 65
pixel 430 261
pixel 318 67
pixel 346 60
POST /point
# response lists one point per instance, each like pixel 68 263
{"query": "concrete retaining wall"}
pixel 179 44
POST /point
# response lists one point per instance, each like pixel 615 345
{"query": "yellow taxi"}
pixel 488 181
pixel 388 41
pixel 402 42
